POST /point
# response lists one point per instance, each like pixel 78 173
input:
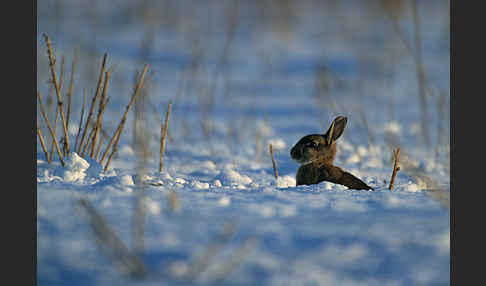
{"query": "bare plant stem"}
pixel 50 129
pixel 90 139
pixel 71 87
pixel 57 106
pixel 101 109
pixel 55 128
pixel 116 136
pixel 113 151
pixel 80 120
pixel 41 138
pixel 396 168
pixel 99 146
pixel 275 171
pixel 93 103
pixel 58 91
pixel 61 75
pixel 163 132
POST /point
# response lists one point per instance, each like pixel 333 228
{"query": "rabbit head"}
pixel 319 147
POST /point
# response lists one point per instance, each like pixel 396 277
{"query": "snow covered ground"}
pixel 216 214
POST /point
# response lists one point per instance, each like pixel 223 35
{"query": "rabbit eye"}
pixel 312 144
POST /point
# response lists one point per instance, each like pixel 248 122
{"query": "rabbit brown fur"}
pixel 316 153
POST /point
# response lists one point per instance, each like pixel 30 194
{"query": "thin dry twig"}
pixel 61 77
pixel 50 129
pixel 396 168
pixel 93 103
pixel 80 120
pixel 71 87
pixel 52 62
pixel 97 154
pixel 110 144
pixel 41 138
pixel 55 129
pixel 163 132
pixel 116 136
pixel 101 109
pixel 275 171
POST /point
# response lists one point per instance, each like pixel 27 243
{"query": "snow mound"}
pixel 74 170
pixel 417 186
pixel 286 181
pixel 199 185
pixel 231 177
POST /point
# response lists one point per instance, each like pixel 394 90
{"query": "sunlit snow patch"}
pixel 415 187
pixel 199 185
pixel 74 170
pixel 228 176
pixel 285 182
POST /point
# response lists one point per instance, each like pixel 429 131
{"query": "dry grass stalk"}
pixel 93 103
pixel 110 144
pixel 80 120
pixel 71 87
pixel 110 243
pixel 116 136
pixel 90 138
pixel 61 75
pixel 58 91
pixel 396 168
pixel 101 109
pixel 51 130
pixel 97 154
pixel 41 138
pixel 55 129
pixel 163 132
pixel 275 171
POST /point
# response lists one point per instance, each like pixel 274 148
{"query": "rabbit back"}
pixel 316 172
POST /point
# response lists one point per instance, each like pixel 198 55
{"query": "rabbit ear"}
pixel 336 129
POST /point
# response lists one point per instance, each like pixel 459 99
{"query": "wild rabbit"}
pixel 316 153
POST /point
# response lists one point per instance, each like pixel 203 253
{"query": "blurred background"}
pixel 243 74
pixel 234 67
